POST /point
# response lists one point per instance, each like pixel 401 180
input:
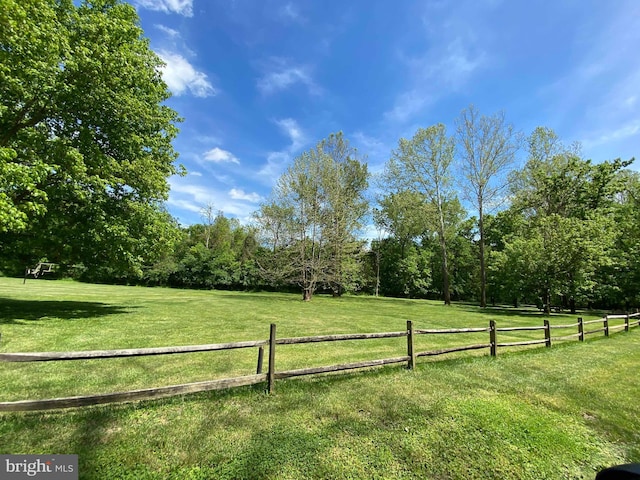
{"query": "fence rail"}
pixel 133 352
pixel 272 375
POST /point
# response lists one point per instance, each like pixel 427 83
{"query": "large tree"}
pixel 422 165
pixel 486 147
pixel 567 204
pixel 85 137
pixel 310 224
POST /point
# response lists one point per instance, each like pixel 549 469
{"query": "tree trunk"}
pixel 483 270
pixel 378 271
pixel 547 302
pixel 443 246
pixel 572 305
pixel 445 274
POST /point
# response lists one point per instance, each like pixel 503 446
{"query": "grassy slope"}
pixel 559 413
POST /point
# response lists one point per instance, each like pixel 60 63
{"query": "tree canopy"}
pixel 85 137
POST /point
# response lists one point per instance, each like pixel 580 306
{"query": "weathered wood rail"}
pixel 272 374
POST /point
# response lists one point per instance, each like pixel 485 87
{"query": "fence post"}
pixel 260 358
pixel 580 329
pixel 411 353
pixel 606 325
pixel 272 358
pixel 626 323
pixel 492 338
pixel 547 333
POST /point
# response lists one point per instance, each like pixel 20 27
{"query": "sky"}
pixel 257 82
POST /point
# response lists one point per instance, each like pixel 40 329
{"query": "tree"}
pixel 310 223
pixel 345 181
pixel 208 216
pixel 618 282
pixel 402 269
pixel 85 140
pixel 567 204
pixel 422 165
pixel 486 147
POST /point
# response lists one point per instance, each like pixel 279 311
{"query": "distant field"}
pixel 558 413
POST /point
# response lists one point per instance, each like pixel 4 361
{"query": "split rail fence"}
pixel 272 374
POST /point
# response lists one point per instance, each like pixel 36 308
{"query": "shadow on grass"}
pixel 15 312
pixel 524 312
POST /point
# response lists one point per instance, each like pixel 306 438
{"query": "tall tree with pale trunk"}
pixel 486 148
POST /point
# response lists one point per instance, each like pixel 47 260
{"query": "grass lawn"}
pixel 563 412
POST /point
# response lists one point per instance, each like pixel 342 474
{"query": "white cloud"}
pixel 277 161
pixel 366 142
pixel 195 174
pixel 217 155
pixel 239 194
pixel 621 133
pixel 191 198
pixel 282 75
pixel 185 205
pixel 198 193
pixel 408 104
pixel 181 7
pixel 181 76
pixel 291 128
pixel 439 71
pixel 169 31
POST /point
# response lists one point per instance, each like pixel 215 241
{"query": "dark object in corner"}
pixel 630 471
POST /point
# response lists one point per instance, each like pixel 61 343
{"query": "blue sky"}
pixel 260 81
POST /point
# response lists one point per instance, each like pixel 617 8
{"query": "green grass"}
pixel 563 412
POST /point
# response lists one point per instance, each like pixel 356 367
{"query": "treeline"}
pixel 562 231
pixel 454 219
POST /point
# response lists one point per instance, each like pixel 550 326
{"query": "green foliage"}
pixel 564 233
pixel 422 167
pixel 85 142
pixel 310 224
pixel 227 262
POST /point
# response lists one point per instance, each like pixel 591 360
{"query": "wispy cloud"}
pixel 440 71
pixel 218 155
pixel 289 11
pixel 191 197
pixel 409 103
pixel 181 7
pixel 239 194
pixel 453 50
pixel 291 128
pixel 376 150
pixel 182 77
pixel 622 132
pixel 171 33
pixel 278 160
pixel 608 75
pixel 280 75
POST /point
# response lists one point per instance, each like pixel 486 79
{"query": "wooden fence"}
pixel 272 374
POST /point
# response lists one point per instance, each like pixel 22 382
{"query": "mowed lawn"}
pixel 563 412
